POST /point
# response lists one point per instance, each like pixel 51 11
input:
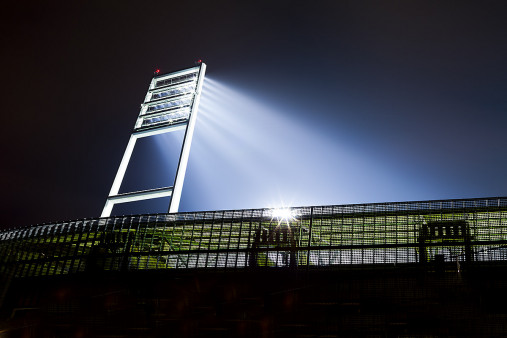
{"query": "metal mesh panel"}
pixel 382 233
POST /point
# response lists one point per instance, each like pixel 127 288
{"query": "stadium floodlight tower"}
pixel 170 105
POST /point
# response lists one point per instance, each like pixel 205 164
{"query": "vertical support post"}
pixel 108 207
pixel 468 244
pixel 309 239
pixel 423 235
pixel 187 141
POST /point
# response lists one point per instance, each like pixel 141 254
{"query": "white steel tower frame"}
pixel 171 104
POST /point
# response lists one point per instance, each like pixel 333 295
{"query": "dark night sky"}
pixel 412 88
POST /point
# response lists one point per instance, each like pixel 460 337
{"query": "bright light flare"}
pixel 283 215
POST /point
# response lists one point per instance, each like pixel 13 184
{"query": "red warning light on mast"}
pixel 156 72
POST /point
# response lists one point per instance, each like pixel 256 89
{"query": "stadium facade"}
pixel 459 231
pixel 412 269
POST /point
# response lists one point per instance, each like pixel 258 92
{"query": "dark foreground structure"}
pixel 414 269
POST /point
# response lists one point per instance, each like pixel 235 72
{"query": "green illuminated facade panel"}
pixel 383 233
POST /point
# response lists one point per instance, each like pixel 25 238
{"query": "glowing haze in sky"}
pixel 247 154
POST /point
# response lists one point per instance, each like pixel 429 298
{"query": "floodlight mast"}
pixel 171 104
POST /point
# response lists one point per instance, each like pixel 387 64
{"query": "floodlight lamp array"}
pixel 172 117
pixel 168 100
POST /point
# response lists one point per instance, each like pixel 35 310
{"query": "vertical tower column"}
pixel 185 149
